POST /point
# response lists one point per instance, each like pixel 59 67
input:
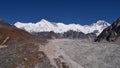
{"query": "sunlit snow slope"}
pixel 45 25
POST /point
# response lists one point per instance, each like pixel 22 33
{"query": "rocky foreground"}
pixel 61 53
pixel 83 53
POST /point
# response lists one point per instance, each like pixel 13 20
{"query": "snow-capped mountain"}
pixel 45 25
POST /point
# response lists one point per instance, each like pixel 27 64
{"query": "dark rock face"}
pixel 74 34
pixel 47 35
pixel 69 34
pixel 110 33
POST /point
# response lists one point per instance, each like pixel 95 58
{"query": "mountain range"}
pixel 46 26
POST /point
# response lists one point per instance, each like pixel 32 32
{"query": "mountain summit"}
pixel 46 26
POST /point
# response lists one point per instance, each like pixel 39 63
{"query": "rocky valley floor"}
pixel 82 53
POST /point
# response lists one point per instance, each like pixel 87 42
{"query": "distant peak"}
pixel 102 22
pixel 43 20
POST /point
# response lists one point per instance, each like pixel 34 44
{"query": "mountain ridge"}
pixel 45 25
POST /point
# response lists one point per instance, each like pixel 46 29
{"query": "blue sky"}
pixel 66 11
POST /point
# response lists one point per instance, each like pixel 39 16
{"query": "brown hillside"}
pixel 12 33
pixel 19 49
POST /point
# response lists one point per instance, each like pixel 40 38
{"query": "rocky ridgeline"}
pixel 111 33
pixel 78 35
pixel 69 34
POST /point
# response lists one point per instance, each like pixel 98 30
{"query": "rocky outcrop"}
pixel 111 33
